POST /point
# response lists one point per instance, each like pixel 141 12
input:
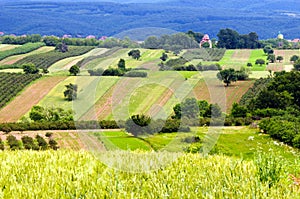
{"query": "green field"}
pixel 257 54
pixel 238 142
pixel 69 174
pixel 121 141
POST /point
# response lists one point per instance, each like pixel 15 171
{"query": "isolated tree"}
pixel 62 47
pixel 227 76
pixel 121 64
pixel 279 58
pixel 135 54
pixel 45 70
pixel 260 61
pixel 164 56
pixel 138 125
pixel 30 68
pixel 297 65
pixel 71 92
pixel 249 64
pixel 271 58
pixel 74 70
pixel 294 58
pixel 268 50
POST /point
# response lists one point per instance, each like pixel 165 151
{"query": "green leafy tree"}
pixel 140 125
pixel 238 111
pixel 227 76
pixel 271 58
pixel 62 47
pixel 249 64
pixel 164 56
pixel 38 113
pixel 260 62
pixel 74 70
pixel 71 92
pixel 297 65
pixel 13 143
pixel 43 145
pixel 294 58
pixel 121 64
pixel 28 143
pixel 279 58
pixel 268 50
pixel 214 110
pixel 30 68
pixel 135 54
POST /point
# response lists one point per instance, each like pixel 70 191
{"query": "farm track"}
pixel 28 98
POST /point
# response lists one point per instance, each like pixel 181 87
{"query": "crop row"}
pixel 12 83
pixel 45 60
pixel 210 54
pixel 26 48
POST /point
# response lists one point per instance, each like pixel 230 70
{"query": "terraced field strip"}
pixel 147 57
pixel 15 58
pixel 233 93
pixel 67 63
pixel 28 98
pixel 121 141
pixel 90 89
pixel 235 58
pixel 102 108
pixel 4 47
pixel 108 61
pixel 257 54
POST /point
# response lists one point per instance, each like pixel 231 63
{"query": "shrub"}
pixel 97 72
pixel 1 145
pixel 136 74
pixel 53 144
pixel 41 142
pixel 13 143
pixel 28 143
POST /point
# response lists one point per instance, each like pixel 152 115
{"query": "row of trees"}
pixel 26 142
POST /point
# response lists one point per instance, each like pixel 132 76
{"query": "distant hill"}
pixel 53 17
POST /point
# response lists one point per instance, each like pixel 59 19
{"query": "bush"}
pixel 13 143
pixel 41 142
pixel 136 74
pixel 97 72
pixel 1 145
pixel 53 144
pixel 113 72
pixel 28 143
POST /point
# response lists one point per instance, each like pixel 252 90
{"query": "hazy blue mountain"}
pixel 82 17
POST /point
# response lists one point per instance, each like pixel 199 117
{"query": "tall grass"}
pixel 69 174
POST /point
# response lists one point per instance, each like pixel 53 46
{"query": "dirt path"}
pixel 28 98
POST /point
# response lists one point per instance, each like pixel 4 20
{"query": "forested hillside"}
pixel 99 18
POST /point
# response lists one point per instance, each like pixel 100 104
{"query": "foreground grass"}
pixel 69 174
